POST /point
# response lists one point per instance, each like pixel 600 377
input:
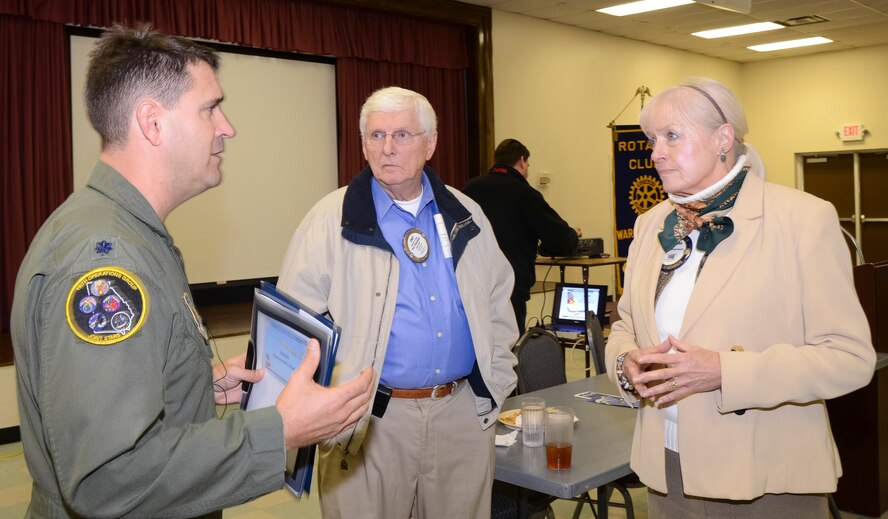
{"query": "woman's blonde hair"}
pixel 707 104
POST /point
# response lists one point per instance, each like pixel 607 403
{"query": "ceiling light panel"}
pixel 791 44
pixel 642 7
pixel 738 29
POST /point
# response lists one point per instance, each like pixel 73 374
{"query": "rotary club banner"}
pixel 637 186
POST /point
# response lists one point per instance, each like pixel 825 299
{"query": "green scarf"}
pixel 707 215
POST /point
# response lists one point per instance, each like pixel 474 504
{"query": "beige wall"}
pixel 796 105
pixel 557 87
pixel 8 406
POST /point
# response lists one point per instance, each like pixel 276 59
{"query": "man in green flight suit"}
pixel 115 383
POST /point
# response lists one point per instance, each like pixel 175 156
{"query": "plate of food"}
pixel 511 419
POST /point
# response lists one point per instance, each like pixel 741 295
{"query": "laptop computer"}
pixel 569 310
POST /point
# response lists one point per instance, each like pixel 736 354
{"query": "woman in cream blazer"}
pixel 739 318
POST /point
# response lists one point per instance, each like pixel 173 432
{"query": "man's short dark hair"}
pixel 509 152
pixel 131 64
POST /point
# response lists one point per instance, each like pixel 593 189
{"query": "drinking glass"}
pixel 532 422
pixel 559 437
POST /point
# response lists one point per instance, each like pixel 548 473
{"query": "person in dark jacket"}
pixel 521 218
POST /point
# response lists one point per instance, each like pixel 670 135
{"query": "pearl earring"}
pixel 722 156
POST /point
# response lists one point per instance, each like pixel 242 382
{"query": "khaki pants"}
pixel 677 505
pixel 426 459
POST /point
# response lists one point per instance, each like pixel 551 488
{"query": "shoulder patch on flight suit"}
pixel 106 305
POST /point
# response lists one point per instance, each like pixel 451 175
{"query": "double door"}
pixel 857 185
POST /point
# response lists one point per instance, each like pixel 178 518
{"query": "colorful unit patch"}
pixel 106 305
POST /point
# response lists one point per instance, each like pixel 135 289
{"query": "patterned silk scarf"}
pixel 709 216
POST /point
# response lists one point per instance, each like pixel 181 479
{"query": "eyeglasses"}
pixel 401 137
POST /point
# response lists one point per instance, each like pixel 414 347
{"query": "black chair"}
pixel 505 499
pixel 540 366
pixel 596 344
pixel 533 349
pixel 540 360
pixel 833 507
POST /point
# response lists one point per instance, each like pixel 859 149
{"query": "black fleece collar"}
pixel 359 223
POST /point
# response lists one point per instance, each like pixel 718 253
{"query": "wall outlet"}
pixel 545 178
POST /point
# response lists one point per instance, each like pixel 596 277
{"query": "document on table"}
pixel 604 398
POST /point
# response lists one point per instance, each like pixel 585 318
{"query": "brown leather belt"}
pixel 439 391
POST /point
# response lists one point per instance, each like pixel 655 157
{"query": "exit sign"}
pixel 852 132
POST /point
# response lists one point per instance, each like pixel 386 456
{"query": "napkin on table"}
pixel 504 440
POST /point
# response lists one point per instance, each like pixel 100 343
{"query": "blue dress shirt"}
pixel 430 342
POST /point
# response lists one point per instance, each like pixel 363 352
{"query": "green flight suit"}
pixel 114 374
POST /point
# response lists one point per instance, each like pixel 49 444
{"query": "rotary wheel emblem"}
pixel 645 192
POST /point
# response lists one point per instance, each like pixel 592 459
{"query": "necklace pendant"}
pixel 677 257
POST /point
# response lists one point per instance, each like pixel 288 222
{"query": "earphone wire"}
pixel 216 386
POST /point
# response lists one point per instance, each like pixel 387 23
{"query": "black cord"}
pixel 543 307
pixel 216 386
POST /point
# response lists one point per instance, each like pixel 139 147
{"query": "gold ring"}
pixel 673 384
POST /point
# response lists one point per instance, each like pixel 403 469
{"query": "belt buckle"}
pixel 453 385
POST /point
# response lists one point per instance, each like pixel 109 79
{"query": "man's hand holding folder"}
pixel 312 412
pixel 296 348
pixel 228 376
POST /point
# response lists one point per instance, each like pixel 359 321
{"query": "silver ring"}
pixel 673 384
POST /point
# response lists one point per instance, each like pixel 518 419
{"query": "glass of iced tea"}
pixel 559 437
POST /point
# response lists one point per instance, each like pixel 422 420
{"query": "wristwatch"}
pixel 621 377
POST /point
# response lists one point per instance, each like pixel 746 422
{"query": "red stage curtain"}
pixel 288 25
pixel 445 89
pixel 35 144
pixel 373 49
